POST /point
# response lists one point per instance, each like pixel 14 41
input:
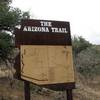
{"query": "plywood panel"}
pixel 47 64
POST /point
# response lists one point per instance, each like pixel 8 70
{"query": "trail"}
pixel 88 90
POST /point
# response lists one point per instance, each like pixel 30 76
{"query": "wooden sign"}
pixel 32 32
pixel 45 53
pixel 46 64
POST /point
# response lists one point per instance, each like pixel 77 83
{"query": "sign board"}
pixel 46 53
pixel 46 64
